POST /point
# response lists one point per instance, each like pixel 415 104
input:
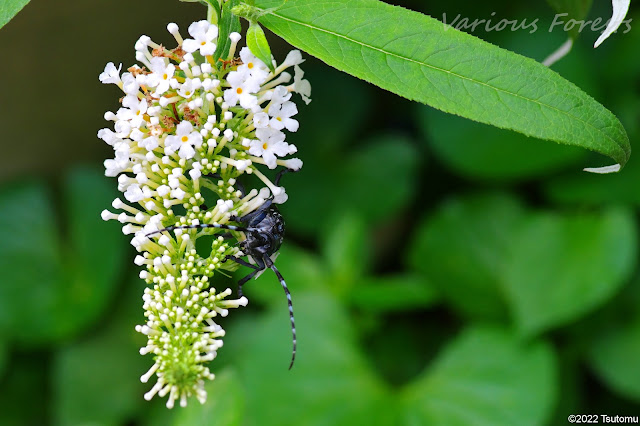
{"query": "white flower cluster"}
pixel 188 127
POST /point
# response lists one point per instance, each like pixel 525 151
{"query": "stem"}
pixel 212 16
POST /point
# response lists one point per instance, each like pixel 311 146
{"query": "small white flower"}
pixel 184 141
pixel 189 87
pixel 293 164
pixel 116 166
pixel 203 34
pixel 149 143
pixel 281 198
pixel 134 110
pixel 134 193
pixel 280 95
pixel 122 128
pixel 111 74
pixel 300 86
pixel 281 116
pixel 293 58
pixel 261 120
pixel 108 136
pixel 130 85
pixel 161 75
pixel 243 87
pixel 270 144
pixel 258 70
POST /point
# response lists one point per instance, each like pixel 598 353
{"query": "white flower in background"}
pixel 185 119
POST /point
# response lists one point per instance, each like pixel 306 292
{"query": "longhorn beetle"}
pixel 264 231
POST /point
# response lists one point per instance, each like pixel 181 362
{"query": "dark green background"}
pixel 443 272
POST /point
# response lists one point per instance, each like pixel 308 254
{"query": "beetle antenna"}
pixel 270 264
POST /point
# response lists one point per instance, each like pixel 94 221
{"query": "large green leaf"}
pixel 426 61
pixel 330 384
pixel 30 262
pixel 486 377
pixel 590 189
pixel 614 355
pixel 357 182
pixel 380 178
pixel 395 293
pixel 462 248
pixel 479 151
pixel 23 395
pixel 562 266
pixel 97 380
pixel 346 251
pixel 9 9
pixel 52 289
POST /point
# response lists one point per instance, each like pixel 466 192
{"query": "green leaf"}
pixel 24 397
pixel 213 10
pixel 4 356
pixel 97 380
pixel 29 237
pixel 396 293
pixel 346 251
pixel 330 383
pixel 379 178
pixel 426 61
pixel 486 377
pixel 73 282
pixel 258 45
pixel 462 248
pixel 614 356
pixel 9 9
pixel 593 189
pixel 561 267
pixel 96 249
pixel 229 23
pixel 358 184
pixel 476 150
pixel 301 270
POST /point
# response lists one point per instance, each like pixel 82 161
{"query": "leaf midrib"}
pixel 433 67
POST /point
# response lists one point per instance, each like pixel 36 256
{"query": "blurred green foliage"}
pixel 443 272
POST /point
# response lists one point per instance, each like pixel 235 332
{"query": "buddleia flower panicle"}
pixel 187 129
